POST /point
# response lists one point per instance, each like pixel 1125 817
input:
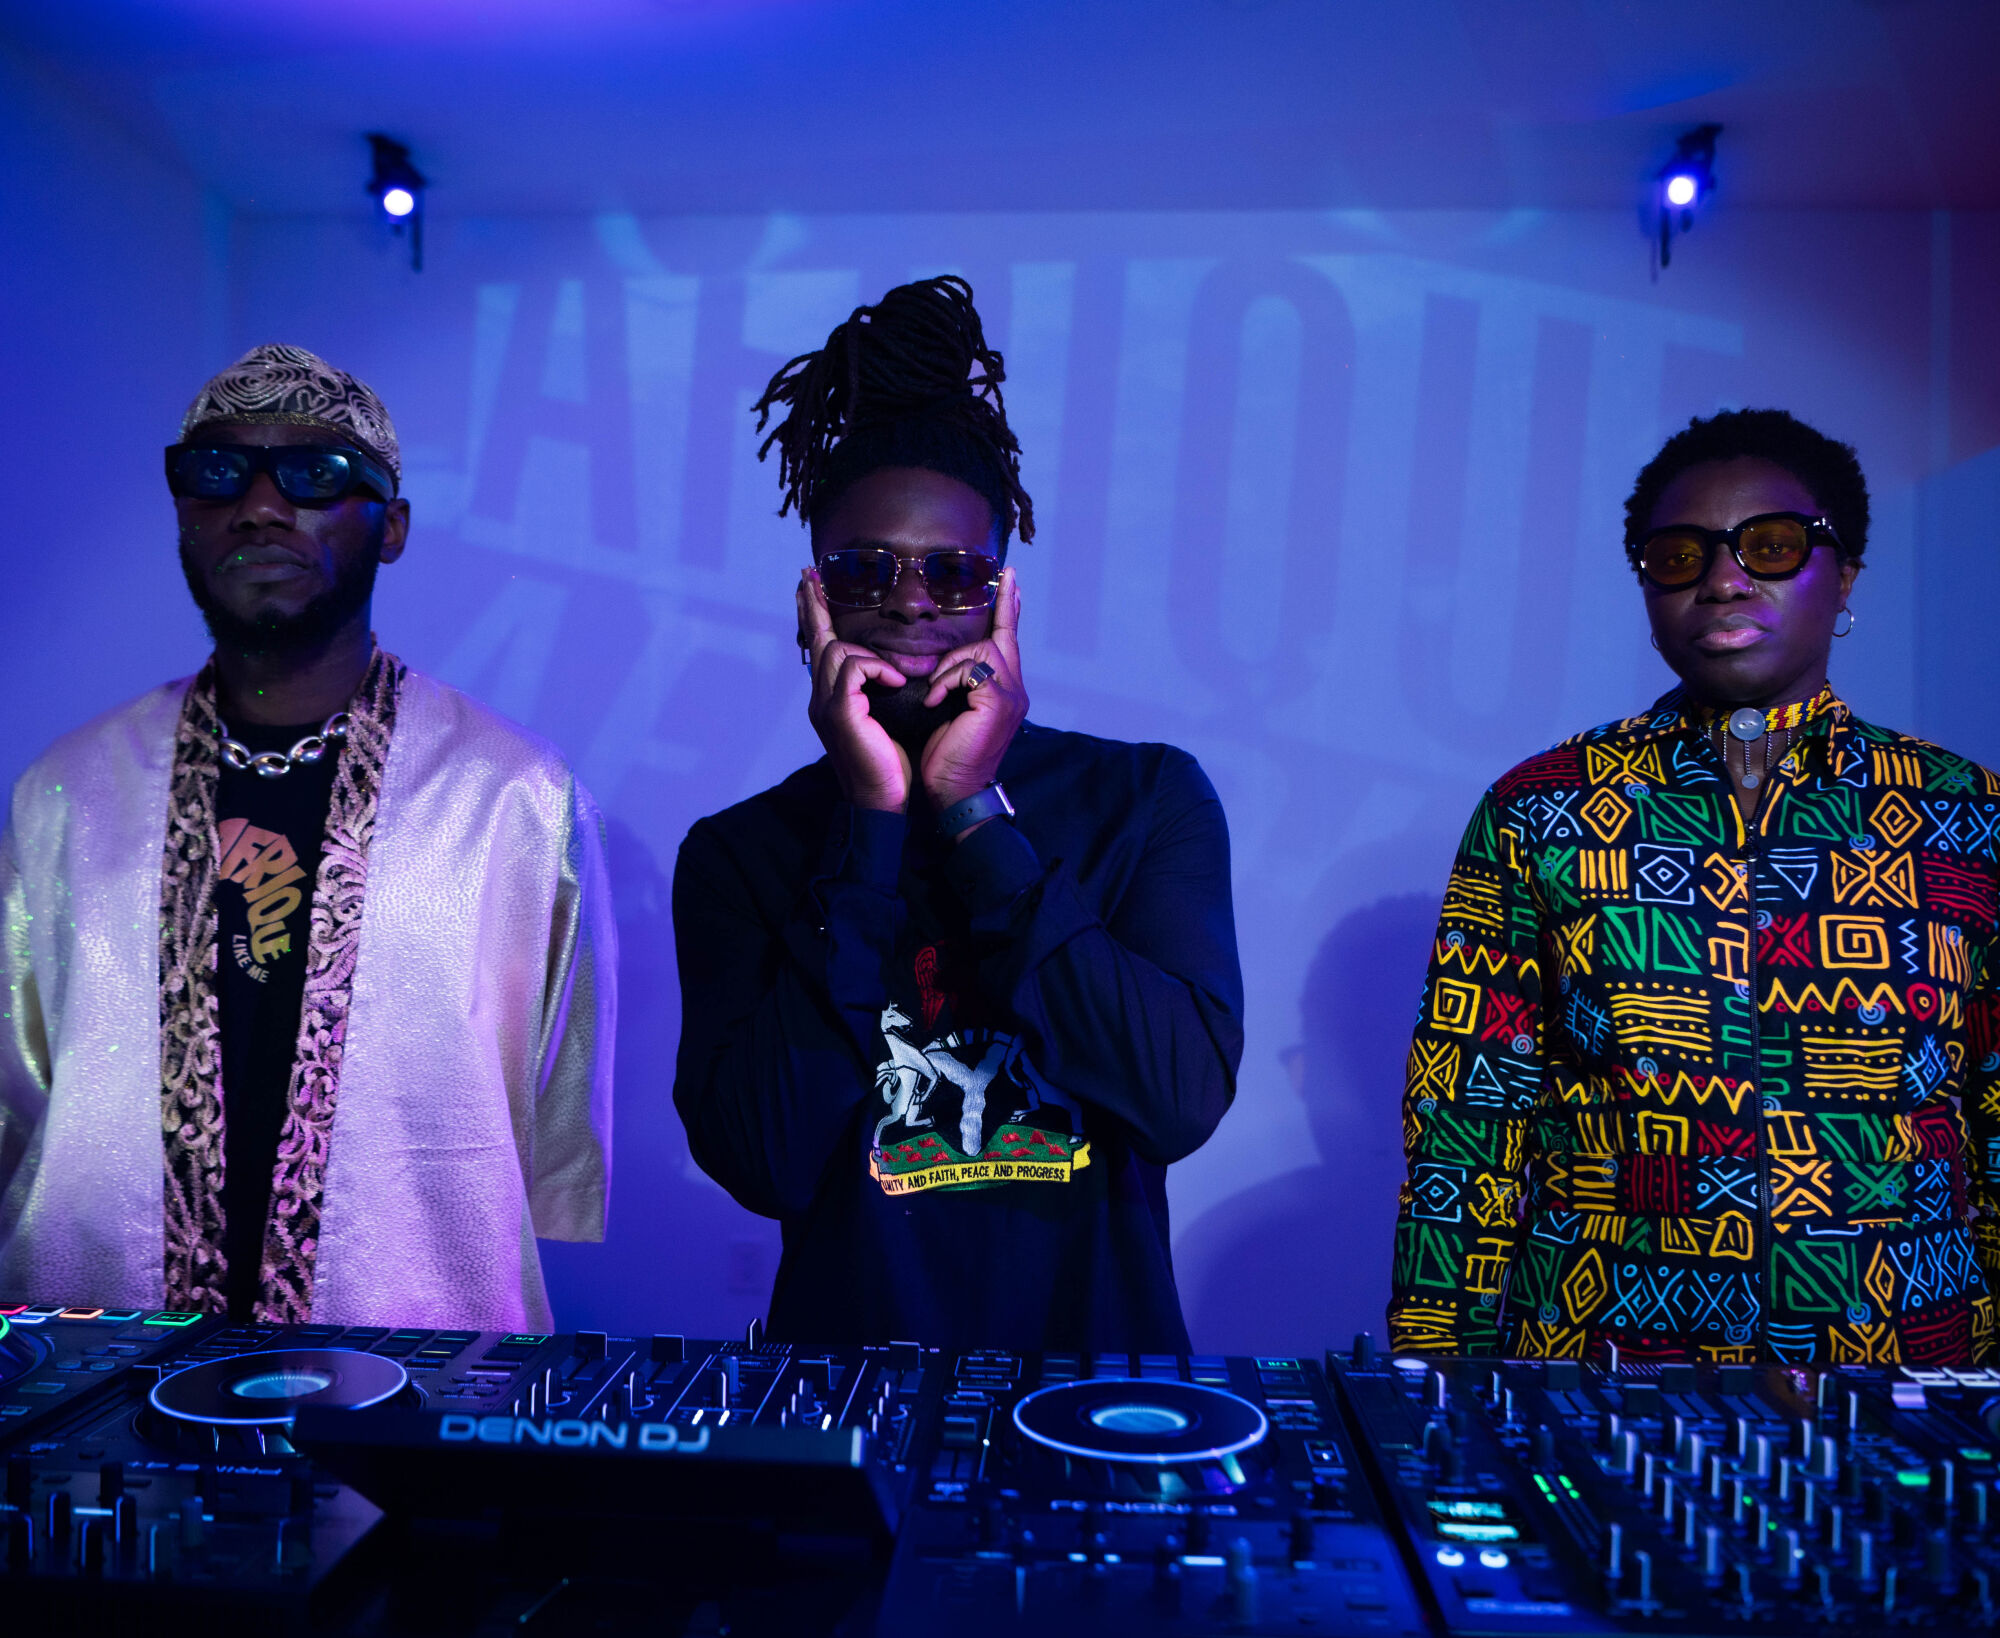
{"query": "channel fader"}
pixel 1549 1497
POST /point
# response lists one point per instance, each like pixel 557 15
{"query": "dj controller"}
pixel 164 1467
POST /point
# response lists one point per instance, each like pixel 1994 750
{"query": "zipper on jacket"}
pixel 1767 1262
pixel 1748 847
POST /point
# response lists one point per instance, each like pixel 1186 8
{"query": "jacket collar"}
pixel 1674 712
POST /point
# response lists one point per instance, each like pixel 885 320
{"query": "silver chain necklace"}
pixel 276 764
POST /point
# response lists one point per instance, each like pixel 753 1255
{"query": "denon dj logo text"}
pixel 571 1434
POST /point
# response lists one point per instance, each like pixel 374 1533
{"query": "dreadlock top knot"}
pixel 907 382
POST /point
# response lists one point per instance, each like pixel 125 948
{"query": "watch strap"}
pixel 989 803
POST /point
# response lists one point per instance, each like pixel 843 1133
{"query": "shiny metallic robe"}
pixel 474 1106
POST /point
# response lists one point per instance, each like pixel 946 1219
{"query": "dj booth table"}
pixel 167 1469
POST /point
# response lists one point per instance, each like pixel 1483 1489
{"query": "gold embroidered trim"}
pixel 190 1046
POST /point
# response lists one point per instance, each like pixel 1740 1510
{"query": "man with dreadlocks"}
pixel 957 994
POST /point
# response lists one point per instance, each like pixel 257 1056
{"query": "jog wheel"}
pixel 20 1352
pixel 264 1390
pixel 1162 1441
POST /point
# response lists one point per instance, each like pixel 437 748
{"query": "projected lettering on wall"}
pixel 1226 531
pixel 1344 525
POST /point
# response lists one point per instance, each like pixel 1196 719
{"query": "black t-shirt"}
pixel 269 832
pixel 957 1072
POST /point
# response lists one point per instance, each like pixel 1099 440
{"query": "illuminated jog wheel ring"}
pixel 1158 1424
pixel 20 1351
pixel 263 1390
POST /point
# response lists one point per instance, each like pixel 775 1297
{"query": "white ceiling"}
pixel 519 106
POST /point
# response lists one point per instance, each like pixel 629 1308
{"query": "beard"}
pixel 904 716
pixel 301 632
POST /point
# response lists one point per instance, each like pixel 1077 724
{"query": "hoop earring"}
pixel 1850 622
pixel 1653 638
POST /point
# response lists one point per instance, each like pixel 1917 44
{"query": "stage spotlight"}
pixel 1684 182
pixel 398 187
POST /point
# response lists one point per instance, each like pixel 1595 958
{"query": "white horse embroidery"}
pixel 905 1080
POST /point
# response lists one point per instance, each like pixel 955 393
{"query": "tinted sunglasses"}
pixel 1770 546
pixel 306 474
pixel 863 577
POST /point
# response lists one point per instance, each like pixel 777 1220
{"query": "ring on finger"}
pixel 979 673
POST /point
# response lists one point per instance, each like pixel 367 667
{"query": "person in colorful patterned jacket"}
pixel 1708 1061
pixel 308 961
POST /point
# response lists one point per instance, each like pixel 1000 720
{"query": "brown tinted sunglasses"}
pixel 1770 546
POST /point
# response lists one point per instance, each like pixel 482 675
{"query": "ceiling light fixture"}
pixel 1684 182
pixel 398 189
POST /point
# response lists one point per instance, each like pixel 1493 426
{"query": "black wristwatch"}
pixel 990 803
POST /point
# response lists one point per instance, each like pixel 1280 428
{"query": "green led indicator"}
pixel 1542 1485
pixel 167 1317
pixel 1568 1484
pixel 1972 1453
pixel 1915 1478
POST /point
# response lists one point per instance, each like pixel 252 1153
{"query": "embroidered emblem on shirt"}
pixel 1012 1126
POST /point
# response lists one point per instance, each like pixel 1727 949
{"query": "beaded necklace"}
pixel 1747 725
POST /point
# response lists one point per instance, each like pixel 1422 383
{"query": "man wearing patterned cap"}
pixel 310 961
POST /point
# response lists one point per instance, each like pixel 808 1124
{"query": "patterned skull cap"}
pixel 276 385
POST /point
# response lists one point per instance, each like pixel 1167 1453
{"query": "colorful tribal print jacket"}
pixel 1608 1143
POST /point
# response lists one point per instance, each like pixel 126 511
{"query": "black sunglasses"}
pixel 863 577
pixel 1770 546
pixel 306 474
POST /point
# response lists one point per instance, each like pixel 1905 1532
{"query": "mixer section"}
pixel 606 1436
pixel 1153 1494
pixel 1544 1496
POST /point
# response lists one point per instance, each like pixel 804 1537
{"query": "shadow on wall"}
pixel 1300 1262
pixel 680 1255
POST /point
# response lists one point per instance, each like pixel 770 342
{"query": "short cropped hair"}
pixel 1827 467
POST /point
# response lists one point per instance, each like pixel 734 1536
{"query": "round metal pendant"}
pixel 1747 724
pixel 1749 782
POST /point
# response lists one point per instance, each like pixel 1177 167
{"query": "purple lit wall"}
pixel 1331 499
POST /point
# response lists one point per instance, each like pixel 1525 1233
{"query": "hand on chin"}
pixel 904 716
